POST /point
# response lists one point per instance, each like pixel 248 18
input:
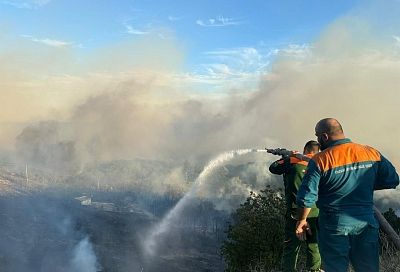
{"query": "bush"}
pixel 393 220
pixel 255 236
pixel 390 256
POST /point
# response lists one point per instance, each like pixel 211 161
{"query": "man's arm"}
pixel 280 167
pixel 387 177
pixel 302 213
pixel 302 226
pixel 306 198
pixel 308 191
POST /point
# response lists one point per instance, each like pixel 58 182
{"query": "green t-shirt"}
pixel 293 170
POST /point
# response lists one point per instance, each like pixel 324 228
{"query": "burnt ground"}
pixel 41 228
pixel 44 226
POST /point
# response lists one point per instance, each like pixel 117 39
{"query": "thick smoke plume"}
pixel 137 108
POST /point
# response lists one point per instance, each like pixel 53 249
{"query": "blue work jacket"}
pixel 341 181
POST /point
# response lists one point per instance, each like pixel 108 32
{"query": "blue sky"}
pixel 95 23
pixel 54 52
pixel 223 43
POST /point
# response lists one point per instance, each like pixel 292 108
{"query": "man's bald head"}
pixel 330 126
pixel 327 130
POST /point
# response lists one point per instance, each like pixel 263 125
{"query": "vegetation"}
pixel 390 256
pixel 255 236
pixel 393 220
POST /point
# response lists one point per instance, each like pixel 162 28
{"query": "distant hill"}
pixel 45 228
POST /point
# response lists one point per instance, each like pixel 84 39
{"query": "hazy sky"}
pixel 120 79
pixel 220 41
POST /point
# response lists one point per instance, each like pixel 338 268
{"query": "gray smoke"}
pixel 137 109
pixel 38 233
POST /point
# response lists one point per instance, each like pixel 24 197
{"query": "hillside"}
pixel 48 227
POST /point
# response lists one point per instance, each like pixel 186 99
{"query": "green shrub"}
pixel 255 236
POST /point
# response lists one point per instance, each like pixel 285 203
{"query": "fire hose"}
pixel 383 223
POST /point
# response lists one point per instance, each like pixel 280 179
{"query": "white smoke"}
pixel 84 258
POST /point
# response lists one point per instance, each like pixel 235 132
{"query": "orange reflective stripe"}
pixel 303 163
pixel 344 154
pixel 294 160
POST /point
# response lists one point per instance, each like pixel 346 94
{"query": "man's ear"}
pixel 325 137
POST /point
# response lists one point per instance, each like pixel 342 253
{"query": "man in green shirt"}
pixel 293 170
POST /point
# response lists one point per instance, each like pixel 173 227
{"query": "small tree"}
pixel 256 233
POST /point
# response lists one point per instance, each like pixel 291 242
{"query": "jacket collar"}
pixel 339 142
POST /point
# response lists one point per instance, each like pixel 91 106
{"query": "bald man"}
pixel 341 180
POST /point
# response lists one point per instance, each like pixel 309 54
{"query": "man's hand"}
pixel 302 228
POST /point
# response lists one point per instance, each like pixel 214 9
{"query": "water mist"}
pixel 158 231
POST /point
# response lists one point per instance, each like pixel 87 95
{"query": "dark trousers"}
pixel 360 249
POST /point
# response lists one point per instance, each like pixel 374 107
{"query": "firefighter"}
pixel 341 180
pixel 293 170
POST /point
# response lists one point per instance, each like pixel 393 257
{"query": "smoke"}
pixel 150 243
pixel 348 75
pixel 126 102
pixel 40 234
pixel 84 259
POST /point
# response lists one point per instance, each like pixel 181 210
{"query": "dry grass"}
pixel 390 256
pixel 389 260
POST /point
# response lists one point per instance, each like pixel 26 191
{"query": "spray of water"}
pixel 156 234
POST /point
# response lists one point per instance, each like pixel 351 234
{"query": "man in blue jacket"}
pixel 341 180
